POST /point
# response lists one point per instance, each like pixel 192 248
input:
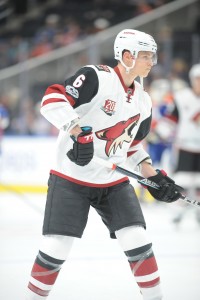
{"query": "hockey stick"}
pixel 140 179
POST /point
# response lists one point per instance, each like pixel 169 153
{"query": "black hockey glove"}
pixel 83 148
pixel 168 192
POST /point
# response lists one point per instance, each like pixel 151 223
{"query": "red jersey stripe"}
pixel 134 143
pixel 130 153
pixel 88 183
pixel 52 101
pixel 57 89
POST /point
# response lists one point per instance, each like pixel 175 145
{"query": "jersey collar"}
pixel 126 89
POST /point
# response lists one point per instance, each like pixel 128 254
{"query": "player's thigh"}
pixel 67 207
pixel 125 206
pixel 121 208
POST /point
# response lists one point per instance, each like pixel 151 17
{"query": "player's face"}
pixel 144 62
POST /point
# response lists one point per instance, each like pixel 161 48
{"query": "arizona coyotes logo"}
pixel 116 135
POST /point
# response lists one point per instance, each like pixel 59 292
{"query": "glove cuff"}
pixel 162 171
pixel 85 139
pixel 86 136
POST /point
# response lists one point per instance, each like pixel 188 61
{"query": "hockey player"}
pixel 185 117
pixel 102 111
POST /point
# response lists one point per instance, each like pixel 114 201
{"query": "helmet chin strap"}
pixel 128 70
pixel 126 67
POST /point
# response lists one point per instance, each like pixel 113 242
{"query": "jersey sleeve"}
pixel 83 86
pixel 59 102
pixel 56 107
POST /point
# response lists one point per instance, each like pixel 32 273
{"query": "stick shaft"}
pixel 142 180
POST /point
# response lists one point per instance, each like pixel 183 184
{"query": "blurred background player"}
pixel 182 120
pixel 187 115
pixel 159 142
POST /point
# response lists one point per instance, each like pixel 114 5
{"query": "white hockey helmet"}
pixel 134 41
pixel 194 72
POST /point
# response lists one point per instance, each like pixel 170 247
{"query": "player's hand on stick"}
pixel 168 192
pixel 83 148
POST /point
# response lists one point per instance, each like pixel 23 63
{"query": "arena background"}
pixel 43 42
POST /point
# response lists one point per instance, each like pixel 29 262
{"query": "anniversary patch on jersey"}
pixel 102 68
pixel 116 135
pixel 109 107
pixel 72 91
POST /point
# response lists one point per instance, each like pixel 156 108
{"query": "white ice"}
pixel 97 268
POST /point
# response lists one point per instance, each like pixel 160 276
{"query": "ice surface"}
pixel 97 268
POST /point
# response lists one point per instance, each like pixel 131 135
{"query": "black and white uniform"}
pixel 186 115
pixel 183 122
pixel 120 118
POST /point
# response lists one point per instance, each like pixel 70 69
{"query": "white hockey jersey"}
pixel 186 115
pixel 120 118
